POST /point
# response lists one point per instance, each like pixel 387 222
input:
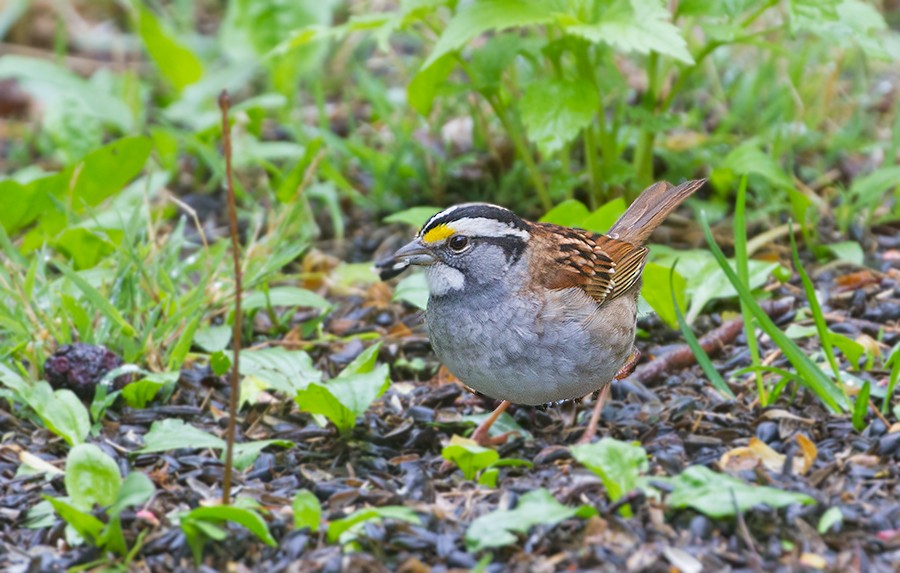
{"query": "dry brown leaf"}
pixel 809 450
pixel 757 452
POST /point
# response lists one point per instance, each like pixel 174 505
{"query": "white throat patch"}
pixel 442 279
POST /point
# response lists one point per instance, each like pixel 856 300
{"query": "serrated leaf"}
pixel 475 18
pixel 632 26
pixel 555 111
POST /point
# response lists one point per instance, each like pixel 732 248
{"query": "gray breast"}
pixel 526 349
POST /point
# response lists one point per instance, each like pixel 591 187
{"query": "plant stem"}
pixel 607 142
pixel 236 344
pixel 518 140
pixel 643 154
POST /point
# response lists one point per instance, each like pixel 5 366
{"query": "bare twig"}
pixel 236 343
pixel 712 342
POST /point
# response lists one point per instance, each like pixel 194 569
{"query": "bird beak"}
pixel 413 253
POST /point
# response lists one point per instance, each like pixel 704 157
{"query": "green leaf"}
pixel 344 529
pixel 657 288
pixel 174 434
pixel 136 489
pixel 861 407
pixel 555 111
pixel 248 518
pixel 413 289
pixel 848 251
pixel 536 507
pixel 220 362
pixel 364 362
pixel 174 60
pixel 892 362
pixel 714 494
pixel 468 456
pixel 829 519
pixel 279 368
pixel 503 425
pixel 569 213
pixel 213 338
pixel 474 18
pixel 307 510
pixel 283 296
pixel 138 394
pixel 87 526
pixel 344 398
pixel 427 83
pixel 415 216
pixel 61 411
pixel 618 464
pixel 638 26
pixel 603 218
pixel 105 171
pixel 92 477
pixel 245 453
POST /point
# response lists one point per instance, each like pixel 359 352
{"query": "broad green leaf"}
pixel 174 434
pixel 307 510
pixel 220 362
pixel 536 507
pixel 504 424
pixel 92 477
pixel 245 453
pixel 415 216
pixel 87 526
pixel 716 495
pixel 280 369
pixel 569 213
pixel 555 111
pixel 474 18
pixel 807 13
pixel 869 190
pixel 283 296
pixel 245 517
pixel 829 519
pixel 364 363
pixel 604 217
pixel 638 26
pixel 344 398
pixel 213 338
pixel 657 288
pixel 106 171
pixel 468 456
pixel 136 489
pixel 619 465
pixel 343 529
pixel 137 394
pixel 427 84
pixel 60 411
pixel 175 61
pixel 861 407
pixel 413 289
pixel 848 251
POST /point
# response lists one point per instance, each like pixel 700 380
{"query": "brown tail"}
pixel 650 209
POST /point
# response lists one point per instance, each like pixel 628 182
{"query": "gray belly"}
pixel 529 352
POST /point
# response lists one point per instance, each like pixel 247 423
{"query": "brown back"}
pixel 650 209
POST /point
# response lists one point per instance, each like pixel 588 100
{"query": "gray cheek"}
pixel 485 263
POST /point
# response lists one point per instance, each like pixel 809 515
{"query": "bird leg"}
pixel 623 372
pixel 480 435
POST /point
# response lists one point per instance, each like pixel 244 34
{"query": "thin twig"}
pixel 236 344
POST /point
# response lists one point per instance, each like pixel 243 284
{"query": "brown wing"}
pixel 605 268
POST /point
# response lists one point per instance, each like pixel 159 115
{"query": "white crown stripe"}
pixel 485 227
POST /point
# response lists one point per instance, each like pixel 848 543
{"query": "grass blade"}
pixel 743 272
pixel 100 301
pixel 702 358
pixel 860 408
pixel 812 376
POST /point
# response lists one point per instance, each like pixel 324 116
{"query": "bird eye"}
pixel 458 243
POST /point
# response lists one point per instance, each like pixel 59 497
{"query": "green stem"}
pixel 590 156
pixel 643 155
pixel 607 141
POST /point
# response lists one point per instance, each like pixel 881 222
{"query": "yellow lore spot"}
pixel 438 233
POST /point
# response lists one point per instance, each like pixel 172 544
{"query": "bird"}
pixel 533 313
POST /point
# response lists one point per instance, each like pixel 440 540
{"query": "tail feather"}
pixel 650 209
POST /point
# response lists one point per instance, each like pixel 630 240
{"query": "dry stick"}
pixel 236 344
pixel 713 341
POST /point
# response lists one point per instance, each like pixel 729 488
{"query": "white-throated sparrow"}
pixel 532 313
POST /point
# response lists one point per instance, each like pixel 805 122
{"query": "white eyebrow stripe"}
pixel 485 227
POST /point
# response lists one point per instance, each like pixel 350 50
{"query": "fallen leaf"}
pixel 810 452
pixel 813 560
